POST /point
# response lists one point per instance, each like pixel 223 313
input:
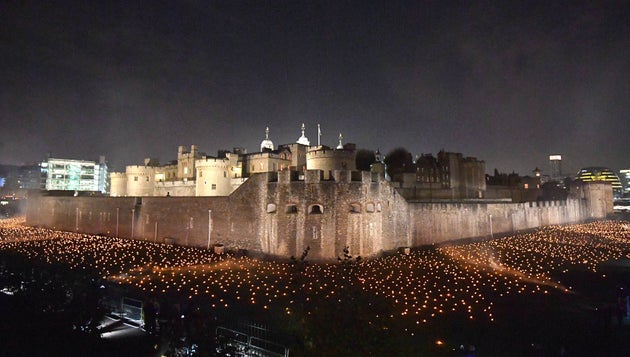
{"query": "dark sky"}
pixel 506 82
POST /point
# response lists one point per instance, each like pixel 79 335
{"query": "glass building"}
pixel 624 175
pixel 590 174
pixel 75 175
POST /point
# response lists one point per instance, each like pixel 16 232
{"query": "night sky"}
pixel 506 82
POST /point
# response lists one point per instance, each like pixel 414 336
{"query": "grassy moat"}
pixel 556 291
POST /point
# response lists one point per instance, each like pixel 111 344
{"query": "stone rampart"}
pixel 281 215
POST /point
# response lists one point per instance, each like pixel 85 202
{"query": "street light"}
pixel 209 226
pixel 133 214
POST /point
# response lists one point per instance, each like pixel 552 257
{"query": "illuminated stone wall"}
pixel 213 177
pixel 140 180
pixel 118 184
pixel 328 160
pixel 280 214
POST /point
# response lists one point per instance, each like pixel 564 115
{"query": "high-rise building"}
pixel 555 165
pixel 624 176
pixel 76 175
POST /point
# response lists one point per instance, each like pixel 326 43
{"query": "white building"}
pixel 76 175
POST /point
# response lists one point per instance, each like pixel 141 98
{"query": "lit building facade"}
pixel 448 176
pixel 603 174
pixel 624 176
pixel 76 175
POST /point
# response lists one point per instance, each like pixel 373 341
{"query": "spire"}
pixel 266 144
pixel 303 139
pixel 340 146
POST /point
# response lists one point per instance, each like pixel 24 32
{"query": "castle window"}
pixel 271 208
pixel 224 173
pixel 369 207
pixel 315 233
pixel 316 209
pixel 200 173
pixel 147 178
pixel 291 209
pixel 379 207
pixel 135 178
pixel 185 170
pixel 214 186
pixel 355 208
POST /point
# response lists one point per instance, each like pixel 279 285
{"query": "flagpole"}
pixel 319 135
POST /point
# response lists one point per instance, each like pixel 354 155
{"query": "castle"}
pixel 196 174
pixel 282 201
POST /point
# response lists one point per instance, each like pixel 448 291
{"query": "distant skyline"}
pixel 508 82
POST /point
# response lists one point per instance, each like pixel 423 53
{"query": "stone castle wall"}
pixel 279 214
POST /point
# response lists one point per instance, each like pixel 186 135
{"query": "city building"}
pixel 601 174
pixel 624 176
pixel 15 178
pixel 514 187
pixel 447 176
pixel 75 175
pixel 555 165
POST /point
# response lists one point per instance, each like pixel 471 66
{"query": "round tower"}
pixel 213 178
pixel 118 184
pixel 140 180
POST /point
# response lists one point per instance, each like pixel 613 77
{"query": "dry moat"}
pixel 559 290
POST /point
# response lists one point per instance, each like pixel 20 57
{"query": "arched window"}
pixel 271 208
pixel 291 209
pixel 355 208
pixel 369 207
pixel 316 209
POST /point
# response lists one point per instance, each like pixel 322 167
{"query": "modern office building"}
pixel 555 165
pixel 624 176
pixel 603 174
pixel 76 175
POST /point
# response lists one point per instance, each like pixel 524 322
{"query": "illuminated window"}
pixel 526 186
pixel 271 208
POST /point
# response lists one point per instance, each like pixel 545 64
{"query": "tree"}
pixel 364 159
pixel 399 161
